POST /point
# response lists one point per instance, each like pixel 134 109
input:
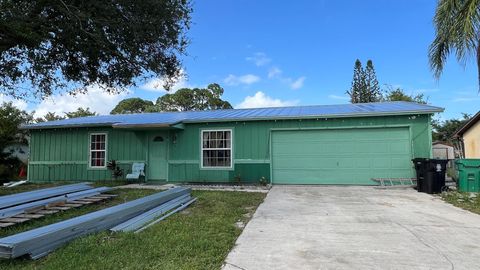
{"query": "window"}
pixel 217 148
pixel 98 150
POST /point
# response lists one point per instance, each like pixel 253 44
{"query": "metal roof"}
pixel 166 119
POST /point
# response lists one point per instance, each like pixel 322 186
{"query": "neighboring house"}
pixel 469 136
pixel 326 144
pixel 443 150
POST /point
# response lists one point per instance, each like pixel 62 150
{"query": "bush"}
pixel 9 168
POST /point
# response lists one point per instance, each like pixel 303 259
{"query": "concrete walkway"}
pixel 327 227
pixel 209 187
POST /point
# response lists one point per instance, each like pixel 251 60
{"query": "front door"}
pixel 157 156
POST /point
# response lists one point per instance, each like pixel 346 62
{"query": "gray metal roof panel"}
pixel 298 112
pixel 34 195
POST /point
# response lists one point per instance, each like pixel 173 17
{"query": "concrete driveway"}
pixel 330 227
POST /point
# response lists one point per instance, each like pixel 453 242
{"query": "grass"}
pixel 199 237
pixel 465 200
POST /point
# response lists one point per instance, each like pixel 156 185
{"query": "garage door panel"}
pixel 381 163
pixel 346 163
pixel 399 147
pixel 305 163
pixel 348 156
pixel 311 177
pixel 395 135
pixel 363 163
pixel 399 163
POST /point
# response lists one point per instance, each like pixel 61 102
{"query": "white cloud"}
pixel 338 97
pixel 466 99
pixel 259 59
pixel 466 96
pixel 274 72
pixel 156 84
pixel 96 99
pixel 298 83
pixel 244 79
pixel 260 100
pixel 20 104
pixel 425 91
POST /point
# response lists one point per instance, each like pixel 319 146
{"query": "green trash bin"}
pixel 468 174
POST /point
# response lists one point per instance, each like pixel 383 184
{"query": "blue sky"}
pixel 267 53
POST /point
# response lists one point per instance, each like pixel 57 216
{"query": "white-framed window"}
pixel 216 148
pixel 98 150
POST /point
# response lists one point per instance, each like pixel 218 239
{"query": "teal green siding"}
pixel 252 145
pixel 62 154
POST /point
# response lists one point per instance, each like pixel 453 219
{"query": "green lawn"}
pixel 199 237
pixel 467 201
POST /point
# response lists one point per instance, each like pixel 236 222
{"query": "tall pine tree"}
pixel 365 87
pixel 358 83
pixel 372 90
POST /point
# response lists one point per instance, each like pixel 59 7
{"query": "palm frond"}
pixel 466 30
pixel 457 30
pixel 438 53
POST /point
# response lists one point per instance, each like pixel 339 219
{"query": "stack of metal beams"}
pixel 19 198
pixel 134 214
pixel 140 222
pixel 26 202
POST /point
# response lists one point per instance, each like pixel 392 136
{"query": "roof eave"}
pixel 35 127
pixel 467 125
pixel 131 126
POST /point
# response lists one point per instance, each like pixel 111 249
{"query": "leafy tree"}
pixel 80 112
pixel 50 116
pixel 195 99
pixel 456 25
pixel 364 84
pixel 444 130
pixel 71 44
pixel 132 105
pixel 10 120
pixel 399 95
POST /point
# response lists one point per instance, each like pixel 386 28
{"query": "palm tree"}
pixel 457 26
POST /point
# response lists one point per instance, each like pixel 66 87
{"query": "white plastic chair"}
pixel 138 170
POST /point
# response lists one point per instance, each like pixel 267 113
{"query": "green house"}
pixel 326 144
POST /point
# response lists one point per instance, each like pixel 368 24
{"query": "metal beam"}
pixel 145 218
pixel 22 208
pixel 30 196
pixel 183 206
